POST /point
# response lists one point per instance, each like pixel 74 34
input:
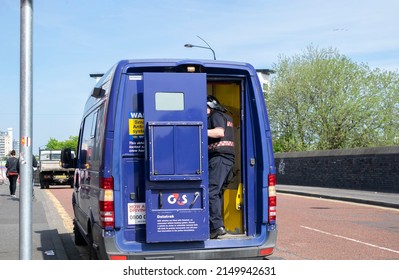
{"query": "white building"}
pixel 6 142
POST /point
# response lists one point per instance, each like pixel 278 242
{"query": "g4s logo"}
pixel 176 198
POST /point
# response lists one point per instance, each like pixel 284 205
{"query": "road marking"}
pixel 66 219
pixel 351 239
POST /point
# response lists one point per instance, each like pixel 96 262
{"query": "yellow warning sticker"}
pixel 136 126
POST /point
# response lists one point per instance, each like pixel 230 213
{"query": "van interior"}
pixel 228 94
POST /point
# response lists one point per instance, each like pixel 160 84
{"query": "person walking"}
pixel 34 164
pixel 12 172
pixel 221 161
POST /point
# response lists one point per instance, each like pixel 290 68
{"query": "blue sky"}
pixel 73 38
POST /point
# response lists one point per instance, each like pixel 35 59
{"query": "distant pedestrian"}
pixel 34 164
pixel 12 172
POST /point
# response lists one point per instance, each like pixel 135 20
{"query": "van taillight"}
pixel 272 198
pixel 106 203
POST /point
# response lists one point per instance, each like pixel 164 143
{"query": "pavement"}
pixel 383 199
pixel 52 240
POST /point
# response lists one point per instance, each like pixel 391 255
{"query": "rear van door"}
pixel 176 179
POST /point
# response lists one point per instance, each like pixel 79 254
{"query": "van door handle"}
pixel 196 195
pixel 160 200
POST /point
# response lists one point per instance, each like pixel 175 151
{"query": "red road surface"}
pixel 320 229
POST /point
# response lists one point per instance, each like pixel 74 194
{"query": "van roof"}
pixel 176 62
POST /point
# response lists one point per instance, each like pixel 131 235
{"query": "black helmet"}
pixel 213 103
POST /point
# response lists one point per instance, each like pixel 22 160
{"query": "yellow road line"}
pixel 66 219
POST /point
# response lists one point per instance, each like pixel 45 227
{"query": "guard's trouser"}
pixel 219 170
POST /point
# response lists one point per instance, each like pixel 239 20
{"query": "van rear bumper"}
pixel 197 254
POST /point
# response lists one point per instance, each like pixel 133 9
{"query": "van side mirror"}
pixel 98 92
pixel 67 158
pixel 83 157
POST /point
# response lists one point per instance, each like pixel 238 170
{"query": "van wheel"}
pixel 79 239
pixel 92 250
pixel 42 185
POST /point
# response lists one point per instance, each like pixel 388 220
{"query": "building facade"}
pixel 6 142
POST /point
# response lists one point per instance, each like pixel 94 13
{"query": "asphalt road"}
pixel 312 228
pixel 322 229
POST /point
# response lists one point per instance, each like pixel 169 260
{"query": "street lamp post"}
pixel 202 47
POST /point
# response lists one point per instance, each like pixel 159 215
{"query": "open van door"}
pixel 176 183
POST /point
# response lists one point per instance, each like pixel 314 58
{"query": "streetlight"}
pixel 42 147
pixel 202 47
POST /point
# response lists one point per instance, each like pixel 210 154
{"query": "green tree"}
pixel 54 144
pixel 322 100
pixel 386 85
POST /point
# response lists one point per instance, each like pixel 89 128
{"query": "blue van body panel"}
pixel 152 120
pixel 176 188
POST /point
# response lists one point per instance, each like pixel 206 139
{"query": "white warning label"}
pixel 136 213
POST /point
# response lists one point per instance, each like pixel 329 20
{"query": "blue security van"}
pixel 141 165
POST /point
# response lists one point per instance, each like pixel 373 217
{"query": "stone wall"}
pixel 370 169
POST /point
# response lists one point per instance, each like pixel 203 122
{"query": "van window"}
pixel 91 138
pixel 169 101
pixel 93 126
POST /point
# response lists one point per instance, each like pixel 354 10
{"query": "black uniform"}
pixel 34 164
pixel 221 161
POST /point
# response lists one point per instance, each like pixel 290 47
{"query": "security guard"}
pixel 221 161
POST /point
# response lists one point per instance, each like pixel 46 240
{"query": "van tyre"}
pixel 92 250
pixel 42 185
pixel 79 239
